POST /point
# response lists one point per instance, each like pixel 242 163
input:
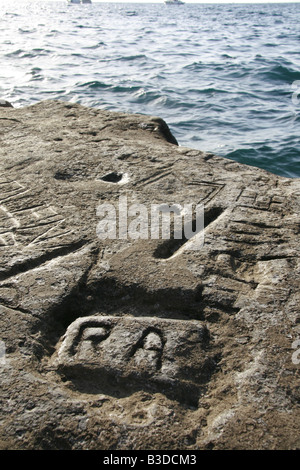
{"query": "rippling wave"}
pixel 226 78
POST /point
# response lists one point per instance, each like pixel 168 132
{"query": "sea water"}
pixel 225 77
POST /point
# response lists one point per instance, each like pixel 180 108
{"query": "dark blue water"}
pixel 225 78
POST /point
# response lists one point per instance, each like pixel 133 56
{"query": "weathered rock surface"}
pixel 142 343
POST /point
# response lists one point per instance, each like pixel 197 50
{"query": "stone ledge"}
pixel 235 388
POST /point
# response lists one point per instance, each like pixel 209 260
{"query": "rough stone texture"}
pixel 142 344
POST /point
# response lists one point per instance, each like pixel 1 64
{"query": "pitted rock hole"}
pixel 63 175
pixel 113 177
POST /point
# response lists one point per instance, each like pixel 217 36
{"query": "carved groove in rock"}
pixel 169 247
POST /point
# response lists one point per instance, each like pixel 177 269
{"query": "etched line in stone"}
pixel 8 215
pixel 42 223
pixel 158 175
pixel 214 189
pixel 43 237
pixel 28 208
pixel 25 222
pixel 10 119
pixel 13 186
pixel 10 190
pixel 44 213
pixel 12 196
pixel 38 222
pixel 30 264
pixel 56 235
pixel 250 198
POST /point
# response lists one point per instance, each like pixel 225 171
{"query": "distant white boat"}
pixel 174 2
pixel 79 1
